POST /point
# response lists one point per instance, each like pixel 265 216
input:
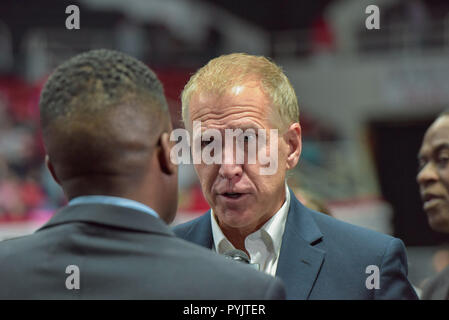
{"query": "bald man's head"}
pixel 102 114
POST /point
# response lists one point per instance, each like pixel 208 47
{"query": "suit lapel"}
pixel 299 261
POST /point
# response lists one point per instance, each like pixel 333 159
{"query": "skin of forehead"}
pixel 235 105
pixel 437 134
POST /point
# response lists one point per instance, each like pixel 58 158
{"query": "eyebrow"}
pixel 440 146
pixel 436 149
pixel 247 126
pixel 243 127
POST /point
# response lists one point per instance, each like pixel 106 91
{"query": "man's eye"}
pixel 206 142
pixel 443 160
pixel 248 138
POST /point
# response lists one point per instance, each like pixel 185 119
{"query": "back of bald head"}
pixel 102 113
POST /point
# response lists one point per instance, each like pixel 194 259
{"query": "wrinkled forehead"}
pixel 238 94
pixel 245 98
pixel 436 136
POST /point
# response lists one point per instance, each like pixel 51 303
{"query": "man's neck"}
pixel 237 236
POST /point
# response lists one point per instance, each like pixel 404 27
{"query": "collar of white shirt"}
pixel 263 245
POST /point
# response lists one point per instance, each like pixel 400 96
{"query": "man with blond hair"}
pixel 253 210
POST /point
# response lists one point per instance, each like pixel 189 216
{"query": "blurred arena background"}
pixel 366 96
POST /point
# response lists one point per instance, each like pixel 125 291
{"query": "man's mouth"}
pixel 430 200
pixel 232 195
pixel 430 197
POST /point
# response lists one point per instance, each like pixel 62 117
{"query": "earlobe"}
pixel 51 169
pixel 165 163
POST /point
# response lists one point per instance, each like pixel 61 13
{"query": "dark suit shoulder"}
pixel 348 233
pixel 366 246
pixel 184 229
pixel 24 249
pixel 353 249
pixel 15 246
pixel 131 264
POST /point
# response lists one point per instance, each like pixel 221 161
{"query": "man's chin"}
pixel 438 222
pixel 238 204
pixel 235 219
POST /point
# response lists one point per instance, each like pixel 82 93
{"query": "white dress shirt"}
pixel 264 245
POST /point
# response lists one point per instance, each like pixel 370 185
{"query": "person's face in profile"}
pixel 240 196
pixel 433 175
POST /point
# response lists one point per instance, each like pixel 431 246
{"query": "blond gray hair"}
pixel 227 71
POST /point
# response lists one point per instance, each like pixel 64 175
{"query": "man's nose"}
pixel 427 174
pixel 230 167
pixel 230 171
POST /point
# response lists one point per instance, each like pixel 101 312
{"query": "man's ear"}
pixel 165 147
pixel 51 169
pixel 293 139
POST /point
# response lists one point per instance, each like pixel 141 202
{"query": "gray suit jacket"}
pixel 121 254
pixel 438 287
pixel 324 258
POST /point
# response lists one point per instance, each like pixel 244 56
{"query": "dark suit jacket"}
pixel 437 288
pixel 121 254
pixel 324 258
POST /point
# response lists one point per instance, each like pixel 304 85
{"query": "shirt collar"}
pixel 117 201
pixel 273 228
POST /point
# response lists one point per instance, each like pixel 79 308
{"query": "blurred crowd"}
pixel 26 188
